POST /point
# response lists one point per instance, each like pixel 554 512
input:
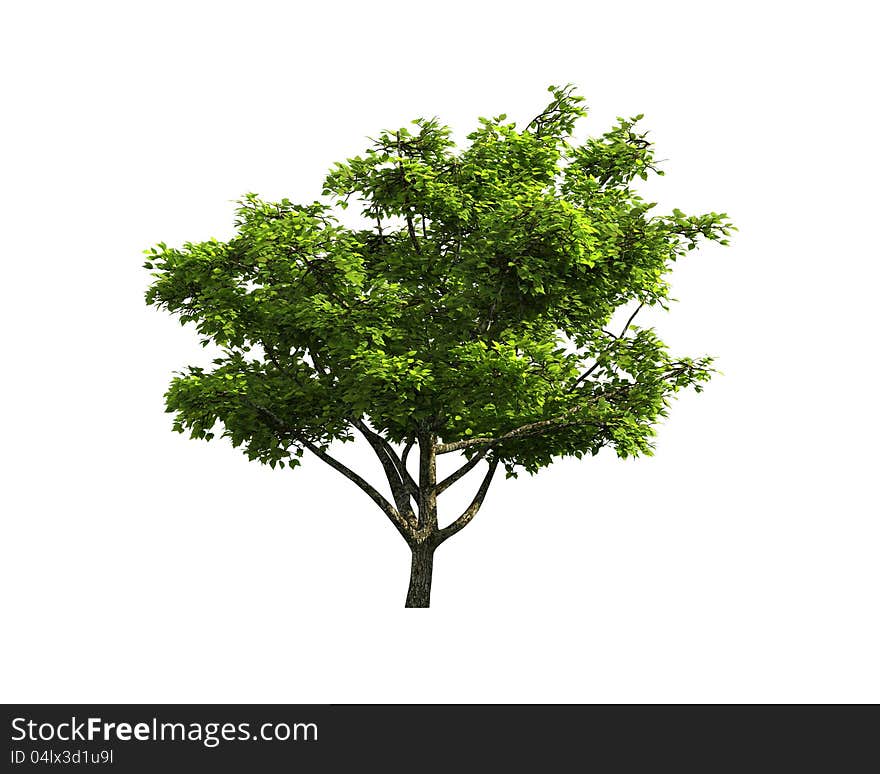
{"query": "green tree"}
pixel 467 313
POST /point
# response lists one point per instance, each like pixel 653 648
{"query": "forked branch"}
pixel 398 476
pixel 467 517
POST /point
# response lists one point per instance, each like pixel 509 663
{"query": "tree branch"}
pixel 538 121
pixel 427 480
pixel 399 463
pixel 391 465
pixel 371 491
pixel 406 450
pixel 523 430
pixel 462 521
pixel 532 428
pixel 462 471
pixel 629 321
pixel 410 226
pixel 387 508
pixel 595 365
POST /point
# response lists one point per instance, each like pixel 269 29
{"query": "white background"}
pixel 739 564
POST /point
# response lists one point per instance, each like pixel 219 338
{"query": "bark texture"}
pixel 421 571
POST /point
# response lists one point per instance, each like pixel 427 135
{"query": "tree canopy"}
pixel 471 306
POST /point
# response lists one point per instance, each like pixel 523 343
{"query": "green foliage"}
pixel 473 302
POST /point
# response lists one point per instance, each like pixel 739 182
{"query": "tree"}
pixel 467 313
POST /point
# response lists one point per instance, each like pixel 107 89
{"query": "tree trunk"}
pixel 419 594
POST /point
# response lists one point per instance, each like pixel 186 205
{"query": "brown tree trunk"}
pixel 419 594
